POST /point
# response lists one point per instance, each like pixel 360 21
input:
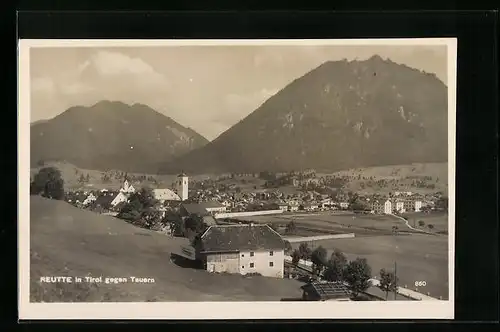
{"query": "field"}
pixel 418 258
pixel 437 171
pixel 335 222
pixel 66 241
pixel 438 219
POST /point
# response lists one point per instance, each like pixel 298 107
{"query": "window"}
pixel 251 254
pixel 271 264
pixel 243 267
pixel 271 253
pixel 252 264
pixel 242 255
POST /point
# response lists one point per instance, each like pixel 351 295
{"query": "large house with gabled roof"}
pixel 241 249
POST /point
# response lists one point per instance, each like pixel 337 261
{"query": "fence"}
pixel 318 237
pixel 246 214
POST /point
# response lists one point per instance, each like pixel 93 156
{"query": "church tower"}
pixel 182 186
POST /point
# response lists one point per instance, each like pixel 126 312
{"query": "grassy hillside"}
pixel 71 173
pixel 400 173
pixel 398 178
pixel 66 241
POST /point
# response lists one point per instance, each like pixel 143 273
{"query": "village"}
pixel 260 231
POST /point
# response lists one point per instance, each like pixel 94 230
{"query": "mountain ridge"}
pixel 112 135
pixel 342 114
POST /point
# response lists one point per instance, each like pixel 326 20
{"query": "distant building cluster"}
pixel 400 202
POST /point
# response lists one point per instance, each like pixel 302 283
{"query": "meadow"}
pixel 418 257
pixel 67 241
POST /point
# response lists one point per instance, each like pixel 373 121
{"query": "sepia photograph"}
pixel 210 179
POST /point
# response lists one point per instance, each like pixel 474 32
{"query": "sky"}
pixel 206 88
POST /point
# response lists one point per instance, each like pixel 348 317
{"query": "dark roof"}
pixel 201 208
pixel 181 175
pixel 223 238
pixel 105 199
pixel 328 290
pixel 209 220
pixel 195 208
pixel 211 204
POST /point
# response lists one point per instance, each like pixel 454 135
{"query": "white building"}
pixel 344 205
pixel 127 188
pixel 387 207
pixel 182 186
pixel 90 198
pixel 242 249
pixel 400 206
pixel 418 206
pixel 119 198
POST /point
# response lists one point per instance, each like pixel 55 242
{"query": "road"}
pixel 407 292
pixel 410 227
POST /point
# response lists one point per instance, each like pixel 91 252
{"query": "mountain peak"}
pixel 340 115
pixel 112 135
pixel 376 58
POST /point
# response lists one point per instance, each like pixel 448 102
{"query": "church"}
pixel 182 186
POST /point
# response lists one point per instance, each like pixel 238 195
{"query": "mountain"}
pixel 338 116
pixel 112 135
pixel 38 122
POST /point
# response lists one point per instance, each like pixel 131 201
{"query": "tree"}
pixel 395 229
pixel 336 266
pixel 304 251
pixel 295 257
pixel 318 258
pixel 81 179
pixel 357 275
pixel 388 282
pixel 421 223
pixel 430 226
pixel 140 209
pixel 288 247
pixel 48 183
pixel 194 223
pixel 291 227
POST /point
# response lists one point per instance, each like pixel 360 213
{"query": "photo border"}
pixel 225 310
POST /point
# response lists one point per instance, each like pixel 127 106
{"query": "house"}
pixel 202 208
pixel 75 198
pixel 326 203
pixel 418 206
pixel 121 197
pixel 283 206
pixel 400 206
pixel 325 291
pixel 344 205
pixel 214 206
pixel 310 206
pixel 382 207
pixel 164 195
pixel 89 199
pixel 242 249
pixel 103 201
pixel 127 188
